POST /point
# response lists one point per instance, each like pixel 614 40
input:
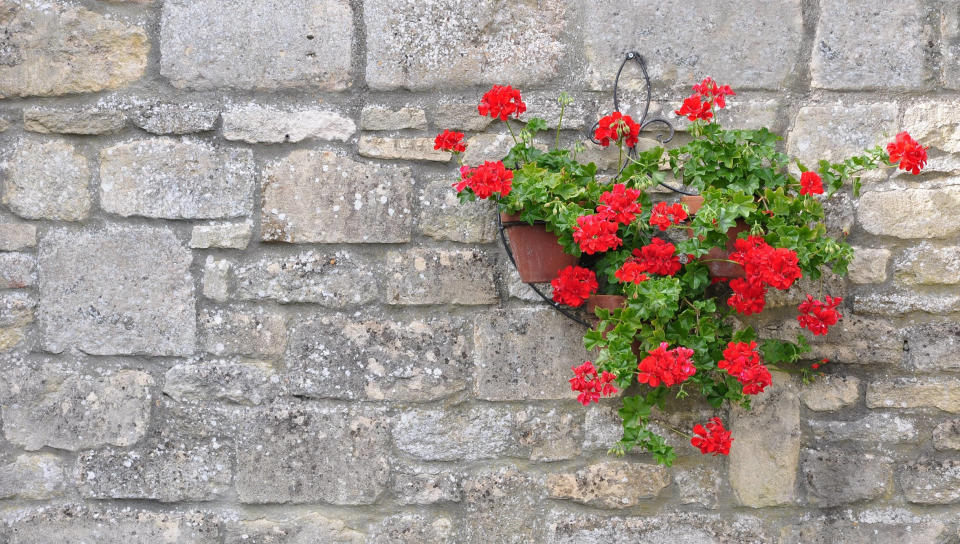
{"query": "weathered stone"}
pixel 298 454
pixel 935 123
pixel 925 264
pixel 502 507
pixel 609 485
pixel 335 279
pixel 602 427
pixel 739 114
pixel 4 124
pixel 116 290
pixel 308 529
pixel 859 45
pixel 311 196
pixel 941 393
pixel 931 482
pixel 899 301
pixel 262 124
pixel 167 471
pixel 947 435
pixel 678 527
pixel 17 236
pixel 32 477
pixel 423 485
pixel 82 121
pixel 526 354
pixel 412 529
pixel 828 283
pixel 54 49
pixel 833 477
pixel 47 180
pixel 460 116
pixel 950 45
pixel 168 118
pixel 227 331
pixel 172 179
pixel 853 340
pixel 67 524
pixel 831 393
pixel 443 217
pixel 882 429
pixel 764 456
pixel 217 279
pixel 433 276
pixel 383 118
pixel 377 359
pixel 410 149
pixel 260 45
pixel 934 346
pixel 699 486
pixel 683 41
pixel 240 383
pixel 487 147
pixel 226 236
pixel 869 265
pixel 17 270
pixel 16 316
pixel 52 407
pixel 911 213
pixel 546 106
pixel 411 42
pixel 836 131
pixel 875 531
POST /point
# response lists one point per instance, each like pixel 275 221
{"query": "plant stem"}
pixel 512 135
pixel 563 106
pixel 620 158
pixel 678 431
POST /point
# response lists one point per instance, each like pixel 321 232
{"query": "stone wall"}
pixel 239 302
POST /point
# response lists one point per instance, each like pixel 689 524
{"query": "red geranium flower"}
pixel 714 439
pixel 663 216
pixel 748 297
pixel 908 152
pixel 631 271
pixel 810 183
pixel 486 179
pixel 709 88
pixel 501 102
pixel 742 361
pixel 694 109
pixel 764 264
pixel 620 204
pixel 615 126
pixel 450 141
pixel 590 384
pixel 596 234
pixel 573 285
pixel 669 367
pixel 817 316
pixel 657 257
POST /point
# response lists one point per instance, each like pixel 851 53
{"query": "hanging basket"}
pixel 719 268
pixel 537 253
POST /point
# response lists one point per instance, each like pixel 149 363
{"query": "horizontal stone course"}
pixel 915 392
pixel 263 124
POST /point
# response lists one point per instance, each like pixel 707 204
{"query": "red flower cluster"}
pixel 705 95
pixel 657 257
pixel 620 204
pixel 631 271
pixel 501 102
pixel 764 266
pixel 695 109
pixel 742 361
pixel 486 179
pixel 908 152
pixel 818 316
pixel 810 183
pixel 714 439
pixel 821 363
pixel 596 234
pixel 709 88
pixel 450 141
pixel 748 297
pixel 573 285
pixel 669 367
pixel 662 215
pixel 616 126
pixel 590 384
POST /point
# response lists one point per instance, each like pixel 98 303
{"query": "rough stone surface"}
pixel 898 301
pixel 699 486
pixel 217 279
pixel 172 118
pixel 410 149
pixel 934 346
pixel 260 45
pixel 926 264
pixel 32 476
pixel 936 124
pixel 17 270
pixel 83 121
pixel 171 179
pixel 914 392
pixel 874 529
pixel 564 528
pixel 500 504
pixel 263 124
pixel 836 131
pixel 947 435
pixel 308 529
pixel 241 331
pixel 16 318
pixel 609 485
pixel 243 383
pixel 47 180
pixel 50 406
pixel 853 340
pixel 859 45
pixel 443 217
pixel 490 49
pixel 487 147
pixel 65 524
pixel 950 49
pixel 384 118
pixel 427 276
pixel 910 213
pixel 55 49
pixel 311 196
pixel 831 393
pixel 17 236
pixel 876 428
pixel 116 290
pixel 334 279
pixel 833 478
pixel 460 116
pixel 423 485
pixel 412 529
pixel 225 236
pixel 869 265
pixel 931 482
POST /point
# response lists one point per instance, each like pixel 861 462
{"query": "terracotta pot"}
pixel 694 203
pixel 609 302
pixel 719 269
pixel 538 254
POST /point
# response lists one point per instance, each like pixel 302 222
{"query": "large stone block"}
pixel 911 213
pixel 926 264
pixel 674 527
pixel 242 331
pixel 334 279
pixel 311 196
pixel 503 505
pixel 877 428
pixel 745 44
pixel 609 485
pixel 859 45
pixel 239 383
pixel 836 131
pixel 116 290
pixel 443 217
pixel 427 485
pixel 872 527
pixel 47 180
pixel 74 121
pixel 899 301
pixel 941 393
pixel 257 45
pixel 947 435
pixel 853 340
pixel 869 265
pixel 72 524
pixel 436 276
pixel 383 118
pixel 454 43
pixel 931 482
pixel 57 48
pixel 311 528
pixel 174 118
pixel 950 45
pixel 935 124
pixel 32 476
pixel 172 179
pixel 348 358
pixel 412 529
pixel 409 149
pixel 834 477
pixel 263 124
pixel 831 393
pixel 934 346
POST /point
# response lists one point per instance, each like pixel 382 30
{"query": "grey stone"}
pixel 934 346
pixel 869 265
pixel 310 528
pixel 926 264
pixel 412 529
pixel 260 45
pixel 72 524
pixel 614 484
pixel 47 180
pixel 828 531
pixel 17 270
pixel 224 235
pixel 853 340
pixel 602 427
pixel 526 354
pixel 55 49
pixel 170 118
pixel 443 217
pixel 241 331
pixel 264 124
pixel 915 392
pixel 240 383
pixel 335 279
pixel 899 301
pixel 299 454
pixel 882 429
pixel 931 482
pixel 699 486
pixel 545 105
pixel 80 121
pixel 167 471
pixel 17 236
pixel 425 485
pixel 502 506
pixel 32 476
pixel 460 116
pixel 946 436
pixel 684 41
pixel 311 196
pixel 859 45
pixel 4 124
pixel 487 147
pixel 50 406
pixel 454 43
pixel 911 213
pixel 435 276
pixel 410 149
pixel 934 123
pixel 16 317
pixel 171 179
pixel 836 131
pixel 950 45
pixel 376 359
pixel 834 477
pixel 383 118
pixel 678 527
pixel 217 279
pixel 831 393
pixel 116 290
